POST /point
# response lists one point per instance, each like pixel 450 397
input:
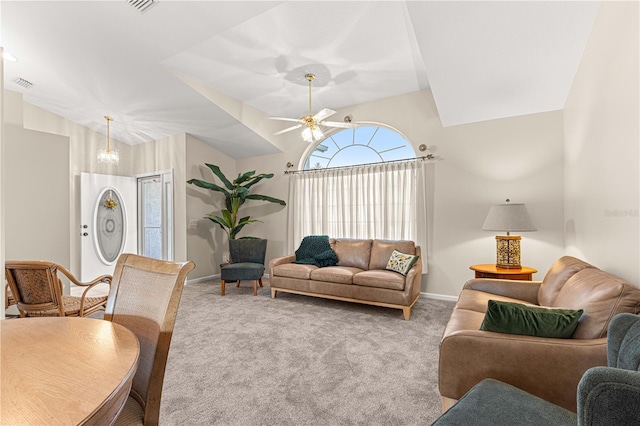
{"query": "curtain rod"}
pixel 424 157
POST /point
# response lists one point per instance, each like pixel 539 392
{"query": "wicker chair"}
pixel 8 297
pixel 144 297
pixel 37 290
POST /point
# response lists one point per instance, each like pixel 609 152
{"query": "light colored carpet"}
pixel 296 360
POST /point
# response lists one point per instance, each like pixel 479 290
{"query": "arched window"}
pixel 364 145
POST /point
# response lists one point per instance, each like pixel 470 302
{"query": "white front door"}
pixel 108 222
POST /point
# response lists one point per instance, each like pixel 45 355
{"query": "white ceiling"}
pixel 155 72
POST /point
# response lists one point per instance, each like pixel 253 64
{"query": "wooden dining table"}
pixel 65 370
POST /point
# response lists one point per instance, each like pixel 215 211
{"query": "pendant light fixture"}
pixel 108 155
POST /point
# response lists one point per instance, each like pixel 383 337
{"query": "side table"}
pixel 490 270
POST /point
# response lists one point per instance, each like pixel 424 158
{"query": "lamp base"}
pixel 508 251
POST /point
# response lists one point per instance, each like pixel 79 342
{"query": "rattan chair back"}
pixel 37 290
pixel 144 297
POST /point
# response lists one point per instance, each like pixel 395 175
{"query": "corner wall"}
pixel 37 195
pixel 206 241
pixel 602 138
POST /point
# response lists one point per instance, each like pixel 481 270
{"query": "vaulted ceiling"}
pixel 212 68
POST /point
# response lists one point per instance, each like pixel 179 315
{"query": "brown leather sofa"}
pixel 546 367
pixel 360 275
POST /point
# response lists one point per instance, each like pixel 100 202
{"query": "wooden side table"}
pixel 492 271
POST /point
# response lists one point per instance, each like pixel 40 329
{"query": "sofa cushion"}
pixel 353 253
pixel 401 262
pixel 516 318
pixel 380 279
pixel 293 270
pixel 381 251
pixel 602 295
pixel 335 274
pixel 561 270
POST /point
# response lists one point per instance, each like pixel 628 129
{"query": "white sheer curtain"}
pixel 385 201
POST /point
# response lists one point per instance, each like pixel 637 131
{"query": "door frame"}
pixel 168 212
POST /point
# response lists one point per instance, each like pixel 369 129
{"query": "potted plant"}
pixel 236 193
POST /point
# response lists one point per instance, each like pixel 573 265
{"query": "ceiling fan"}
pixel 311 123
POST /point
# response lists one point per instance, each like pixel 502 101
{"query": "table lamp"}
pixel 508 217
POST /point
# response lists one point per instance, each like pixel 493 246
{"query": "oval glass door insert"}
pixel 110 225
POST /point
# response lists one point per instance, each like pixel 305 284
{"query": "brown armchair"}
pixel 549 368
pixel 37 290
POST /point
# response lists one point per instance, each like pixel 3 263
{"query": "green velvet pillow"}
pixel 516 318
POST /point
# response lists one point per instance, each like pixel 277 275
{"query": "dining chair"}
pixel 9 300
pixel 247 262
pixel 144 297
pixel 37 290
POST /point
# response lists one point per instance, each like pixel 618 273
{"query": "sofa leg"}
pixel 273 293
pixel 406 310
pixel 222 287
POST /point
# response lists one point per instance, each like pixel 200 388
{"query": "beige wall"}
pixel 206 241
pixel 37 195
pixel 602 152
pixel 2 178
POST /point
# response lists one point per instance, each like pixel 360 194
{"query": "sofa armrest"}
pixel 413 280
pixel 523 290
pixel 548 368
pixel 609 395
pixel 280 261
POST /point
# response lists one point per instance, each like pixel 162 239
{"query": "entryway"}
pixel 121 214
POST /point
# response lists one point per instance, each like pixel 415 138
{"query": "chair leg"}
pixel 260 282
pixel 222 287
pixel 238 283
pixel 255 287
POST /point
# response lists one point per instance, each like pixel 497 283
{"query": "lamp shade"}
pixel 508 217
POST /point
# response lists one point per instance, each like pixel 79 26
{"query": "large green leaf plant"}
pixel 236 193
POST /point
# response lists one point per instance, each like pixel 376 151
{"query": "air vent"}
pixel 142 5
pixel 23 83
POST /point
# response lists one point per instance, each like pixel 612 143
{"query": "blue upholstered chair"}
pixel 247 257
pixel 606 395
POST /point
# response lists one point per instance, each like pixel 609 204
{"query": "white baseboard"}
pixel 439 296
pixel 201 279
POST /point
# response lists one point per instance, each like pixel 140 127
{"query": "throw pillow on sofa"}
pixel 517 318
pixel 401 262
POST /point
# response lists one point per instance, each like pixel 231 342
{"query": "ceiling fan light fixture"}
pixel 108 155
pixel 310 123
pixel 312 134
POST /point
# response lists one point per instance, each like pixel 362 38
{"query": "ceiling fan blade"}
pixel 325 113
pixel 339 124
pixel 288 129
pixel 297 120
